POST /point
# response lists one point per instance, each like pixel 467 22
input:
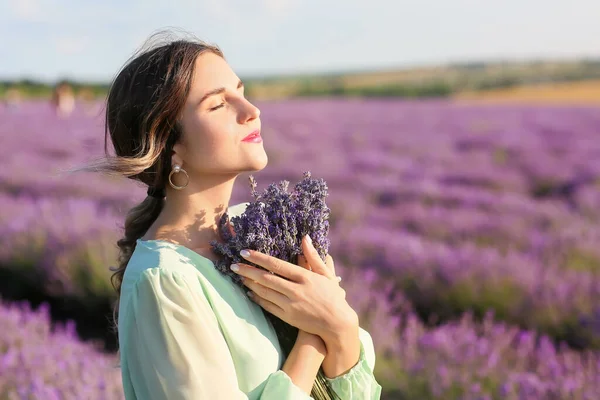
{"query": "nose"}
pixel 248 112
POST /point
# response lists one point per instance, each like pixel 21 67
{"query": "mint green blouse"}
pixel 186 331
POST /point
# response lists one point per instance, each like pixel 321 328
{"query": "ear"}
pixel 177 155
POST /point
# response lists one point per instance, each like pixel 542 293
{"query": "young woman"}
pixel 178 121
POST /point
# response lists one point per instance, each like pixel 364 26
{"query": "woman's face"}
pixel 214 125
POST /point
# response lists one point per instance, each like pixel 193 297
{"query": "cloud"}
pixel 27 10
pixel 279 8
pixel 243 10
pixel 68 45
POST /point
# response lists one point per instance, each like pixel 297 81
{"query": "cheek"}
pixel 207 139
pixel 197 128
pixel 210 135
pixel 218 131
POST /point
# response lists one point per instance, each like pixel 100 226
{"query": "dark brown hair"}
pixel 143 109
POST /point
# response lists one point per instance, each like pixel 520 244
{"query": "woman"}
pixel 63 99
pixel 177 117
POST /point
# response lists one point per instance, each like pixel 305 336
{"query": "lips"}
pixel 252 135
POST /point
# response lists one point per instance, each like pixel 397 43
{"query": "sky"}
pixel 49 39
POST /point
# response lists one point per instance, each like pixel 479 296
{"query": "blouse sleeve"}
pixel 176 349
pixel 359 382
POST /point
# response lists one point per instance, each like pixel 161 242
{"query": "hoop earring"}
pixel 177 169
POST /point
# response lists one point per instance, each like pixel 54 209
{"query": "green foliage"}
pixel 543 188
pixel 432 89
pixel 500 156
pixel 30 88
pixel 498 82
pixel 580 260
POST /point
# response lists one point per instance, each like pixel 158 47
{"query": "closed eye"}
pixel 220 90
pixel 240 85
pixel 217 107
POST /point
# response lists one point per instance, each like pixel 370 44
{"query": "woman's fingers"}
pixel 265 292
pixel 310 303
pixel 330 264
pixel 314 260
pixel 268 305
pixel 264 278
pixel 275 265
pixel 278 280
pixel 303 263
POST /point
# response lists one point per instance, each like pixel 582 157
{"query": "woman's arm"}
pixel 304 361
pixel 174 349
pixel 343 352
pixel 357 383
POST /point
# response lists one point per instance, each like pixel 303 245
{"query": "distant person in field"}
pixel 63 99
pixel 180 123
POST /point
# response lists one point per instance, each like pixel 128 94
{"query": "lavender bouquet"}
pixel 275 223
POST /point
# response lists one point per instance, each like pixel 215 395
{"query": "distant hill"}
pixel 432 81
pixel 435 81
pixel 580 92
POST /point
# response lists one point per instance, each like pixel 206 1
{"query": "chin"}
pixel 255 163
pixel 262 162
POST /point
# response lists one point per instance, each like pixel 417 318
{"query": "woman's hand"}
pixel 329 272
pixel 309 301
pixel 303 336
pixel 340 357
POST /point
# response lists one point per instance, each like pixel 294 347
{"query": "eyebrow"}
pixel 218 91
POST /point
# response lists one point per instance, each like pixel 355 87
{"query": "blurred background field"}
pixel 465 210
pixel 457 210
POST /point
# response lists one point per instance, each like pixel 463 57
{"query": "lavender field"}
pixel 467 239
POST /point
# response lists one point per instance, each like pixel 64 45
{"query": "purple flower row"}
pixel 447 280
pixel 38 361
pixel 463 359
pixel 63 246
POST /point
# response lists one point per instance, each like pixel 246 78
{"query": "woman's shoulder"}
pixel 170 257
pixel 157 254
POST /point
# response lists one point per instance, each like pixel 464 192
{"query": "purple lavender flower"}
pixel 275 223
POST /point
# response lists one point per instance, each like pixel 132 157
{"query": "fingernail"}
pixel 249 293
pixel 245 253
pixel 309 239
pixel 235 267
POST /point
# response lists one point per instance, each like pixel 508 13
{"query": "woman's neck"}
pixel 190 217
